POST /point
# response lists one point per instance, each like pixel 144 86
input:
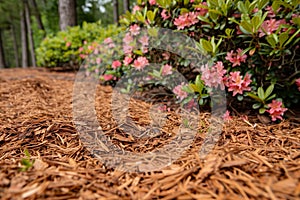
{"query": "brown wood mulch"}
pixel 260 161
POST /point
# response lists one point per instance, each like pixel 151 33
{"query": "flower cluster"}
pixel 213 76
pixel 186 20
pixel 236 58
pixel 181 94
pixel 237 84
pixel 276 110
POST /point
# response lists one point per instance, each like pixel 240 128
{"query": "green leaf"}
pixel 253 96
pixel 256 105
pixel 240 97
pixel 262 3
pixel 271 97
pixel 262 110
pixel 269 91
pixel 184 10
pixel 271 41
pixel 150 16
pixel 261 93
pixel 283 38
pixel 206 45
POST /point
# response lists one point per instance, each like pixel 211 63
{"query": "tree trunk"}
pixel 125 5
pixel 67 13
pixel 37 14
pixel 2 58
pixel 24 39
pixel 29 31
pixel 13 33
pixel 116 11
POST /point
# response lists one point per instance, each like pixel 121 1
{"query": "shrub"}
pixel 67 48
pixel 253 45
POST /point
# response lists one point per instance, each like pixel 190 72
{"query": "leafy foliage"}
pixel 66 47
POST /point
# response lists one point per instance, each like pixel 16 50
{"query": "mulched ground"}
pixel 251 160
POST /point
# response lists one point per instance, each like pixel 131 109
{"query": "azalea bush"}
pixel 69 48
pixel 253 50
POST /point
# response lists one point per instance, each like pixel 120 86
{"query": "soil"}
pixel 251 159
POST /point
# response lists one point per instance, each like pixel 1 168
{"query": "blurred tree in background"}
pixel 25 23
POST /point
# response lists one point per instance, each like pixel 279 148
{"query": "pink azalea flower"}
pixel 116 64
pixel 226 116
pixel 108 77
pixel 298 83
pixel 128 38
pixel 166 70
pixel 82 56
pixel 108 40
pixel 165 15
pixel 127 49
pixel 202 11
pixel 276 110
pixel 144 40
pixel 236 58
pixel 140 63
pixel 213 76
pixel 237 84
pixel 191 104
pixel 80 49
pixel 144 50
pixel 136 8
pixel 271 12
pixel 134 29
pixel 179 92
pixel 166 55
pixel 84 42
pixel 127 60
pixel 186 20
pixel 98 60
pixel 152 2
pixel 270 26
pixel 68 44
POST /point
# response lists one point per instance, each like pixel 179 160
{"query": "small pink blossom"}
pixel 152 2
pixel 179 92
pixel 136 8
pixel 166 55
pixel 127 49
pixel 298 83
pixel 82 56
pixel 202 11
pixel 108 40
pixel 98 60
pixel 144 40
pixel 84 42
pixel 213 76
pixel 269 26
pixel 108 77
pixel 68 44
pixel 165 14
pixel 191 104
pixel 140 63
pixel 134 29
pixel 276 110
pixel 166 70
pixel 127 60
pixel 116 64
pixel 186 20
pixel 271 13
pixel 128 38
pixel 80 49
pixel 237 84
pixel 236 58
pixel 226 116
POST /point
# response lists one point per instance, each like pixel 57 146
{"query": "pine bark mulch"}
pixel 250 161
